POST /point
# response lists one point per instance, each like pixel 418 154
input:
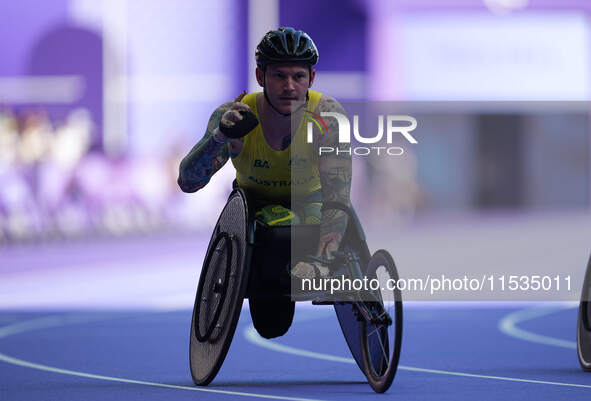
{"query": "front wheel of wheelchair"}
pixel 381 337
pixel 584 323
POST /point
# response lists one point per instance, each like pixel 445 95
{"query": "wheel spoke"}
pixel 384 353
pixel 373 332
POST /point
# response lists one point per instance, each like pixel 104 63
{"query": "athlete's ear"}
pixel 260 76
pixel 312 75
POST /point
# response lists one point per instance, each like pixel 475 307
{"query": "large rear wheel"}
pixel 220 292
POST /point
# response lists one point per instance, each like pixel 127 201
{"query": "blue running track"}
pixel 474 352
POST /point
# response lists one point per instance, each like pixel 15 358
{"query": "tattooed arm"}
pixel 335 177
pixel 208 156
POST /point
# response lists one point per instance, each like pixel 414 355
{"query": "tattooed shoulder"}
pixel 329 104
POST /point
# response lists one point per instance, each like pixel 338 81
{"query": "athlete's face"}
pixel 286 83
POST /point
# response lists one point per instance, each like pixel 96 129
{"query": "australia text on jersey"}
pixel 281 183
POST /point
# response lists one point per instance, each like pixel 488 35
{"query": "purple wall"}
pixel 21 25
pixel 69 50
pixel 338 29
pixel 37 38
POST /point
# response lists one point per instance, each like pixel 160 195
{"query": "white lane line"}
pixel 46 368
pixel 62 320
pixel 511 379
pixel 508 326
pixel 253 337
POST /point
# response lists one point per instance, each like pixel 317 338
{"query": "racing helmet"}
pixel 286 45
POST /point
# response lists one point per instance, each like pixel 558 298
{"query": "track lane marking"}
pixel 508 326
pixel 62 320
pixel 253 337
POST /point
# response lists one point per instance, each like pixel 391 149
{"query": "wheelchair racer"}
pixel 264 157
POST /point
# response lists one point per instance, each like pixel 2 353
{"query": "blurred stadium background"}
pixel 99 101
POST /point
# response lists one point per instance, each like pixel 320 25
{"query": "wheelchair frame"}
pixel 255 276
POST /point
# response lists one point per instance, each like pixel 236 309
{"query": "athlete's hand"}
pixel 328 244
pixel 304 270
pixel 232 116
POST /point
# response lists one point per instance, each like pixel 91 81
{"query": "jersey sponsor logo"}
pixel 298 162
pixel 261 163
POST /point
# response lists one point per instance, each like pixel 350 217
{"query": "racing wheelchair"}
pixel 584 323
pixel 246 259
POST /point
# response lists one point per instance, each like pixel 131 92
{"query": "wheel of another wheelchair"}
pixel 381 342
pixel 584 323
pixel 220 292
